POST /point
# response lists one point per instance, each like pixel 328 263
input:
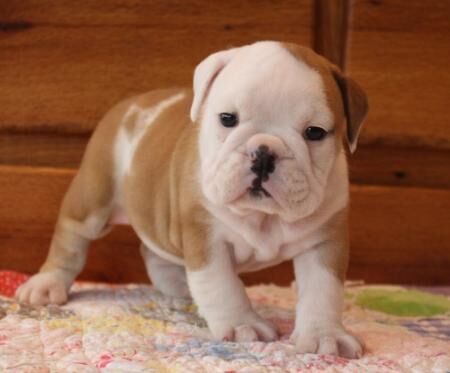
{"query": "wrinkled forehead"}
pixel 268 76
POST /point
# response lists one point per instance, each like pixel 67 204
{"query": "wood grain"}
pixel 398 235
pixel 398 51
pixel 71 61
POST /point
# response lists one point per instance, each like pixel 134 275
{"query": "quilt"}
pixel 133 328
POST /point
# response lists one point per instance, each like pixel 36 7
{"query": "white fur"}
pixel 276 97
pixel 259 84
pixel 167 277
pixel 318 325
pixel 203 76
pixel 260 240
pixel 221 299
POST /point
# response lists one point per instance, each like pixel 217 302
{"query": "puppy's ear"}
pixel 204 75
pixel 355 105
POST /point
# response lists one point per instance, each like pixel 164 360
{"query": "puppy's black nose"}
pixel 263 162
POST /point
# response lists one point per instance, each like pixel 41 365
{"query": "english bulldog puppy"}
pixel 254 176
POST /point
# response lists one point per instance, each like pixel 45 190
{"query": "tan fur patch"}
pixel 90 192
pixel 336 256
pixel 162 193
pixel 324 68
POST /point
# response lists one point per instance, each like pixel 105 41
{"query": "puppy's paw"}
pixel 248 328
pixel 43 288
pixel 328 341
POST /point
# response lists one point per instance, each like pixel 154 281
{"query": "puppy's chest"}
pixel 255 248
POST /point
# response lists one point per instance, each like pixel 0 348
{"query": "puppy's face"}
pixel 271 129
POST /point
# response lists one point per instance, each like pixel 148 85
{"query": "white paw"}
pixel 248 328
pixel 43 288
pixel 327 341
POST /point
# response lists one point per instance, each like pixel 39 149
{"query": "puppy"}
pixel 257 175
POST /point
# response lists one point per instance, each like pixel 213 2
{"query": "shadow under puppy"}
pixel 256 176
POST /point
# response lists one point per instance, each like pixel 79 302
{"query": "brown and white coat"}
pixel 182 182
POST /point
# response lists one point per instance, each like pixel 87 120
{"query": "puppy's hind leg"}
pixel 79 222
pixel 83 217
pixel 168 278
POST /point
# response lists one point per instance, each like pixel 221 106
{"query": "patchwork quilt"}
pixel 133 328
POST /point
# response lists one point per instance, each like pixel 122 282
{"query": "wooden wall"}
pixel 63 63
pixel 399 51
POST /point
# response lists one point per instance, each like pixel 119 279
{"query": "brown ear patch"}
pixel 355 104
pixel 353 99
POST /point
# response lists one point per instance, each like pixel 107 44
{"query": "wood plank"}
pixel 397 54
pixel 373 164
pixel 397 166
pixel 195 14
pixel 396 15
pixel 42 149
pixel 65 63
pixel 398 235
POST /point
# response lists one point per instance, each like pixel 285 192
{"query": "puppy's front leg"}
pixel 221 299
pixel 319 275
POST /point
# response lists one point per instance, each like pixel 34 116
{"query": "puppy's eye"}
pixel 314 133
pixel 228 119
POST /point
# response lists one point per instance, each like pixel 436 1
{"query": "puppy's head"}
pixel 272 119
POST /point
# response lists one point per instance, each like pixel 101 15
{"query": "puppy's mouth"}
pixel 257 190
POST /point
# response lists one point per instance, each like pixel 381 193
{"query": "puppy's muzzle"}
pixel 263 164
